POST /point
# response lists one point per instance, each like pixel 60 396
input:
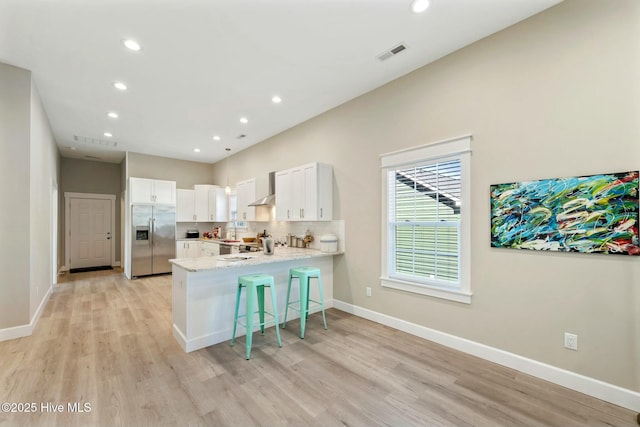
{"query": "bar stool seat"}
pixel 255 284
pixel 304 276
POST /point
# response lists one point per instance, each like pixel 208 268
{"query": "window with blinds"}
pixel 424 222
pixel 426 244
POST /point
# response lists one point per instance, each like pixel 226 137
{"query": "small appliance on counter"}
pixel 329 243
pixel 192 234
pixel 269 245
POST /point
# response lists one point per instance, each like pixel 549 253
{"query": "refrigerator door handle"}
pixel 150 232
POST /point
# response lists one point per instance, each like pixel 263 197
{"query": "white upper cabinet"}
pixel 185 205
pixel 245 194
pixel 283 195
pixel 205 203
pixel 152 191
pixel 218 210
pixel 201 205
pixel 305 193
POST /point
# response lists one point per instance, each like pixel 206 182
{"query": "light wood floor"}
pixel 107 341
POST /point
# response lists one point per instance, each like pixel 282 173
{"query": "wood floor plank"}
pixel 107 341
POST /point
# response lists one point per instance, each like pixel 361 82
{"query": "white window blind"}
pixel 426 221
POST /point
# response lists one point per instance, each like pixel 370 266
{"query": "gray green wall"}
pixel 86 176
pixel 555 95
pixel 29 170
pixel 15 84
pixel 185 173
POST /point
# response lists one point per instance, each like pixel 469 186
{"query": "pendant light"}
pixel 227 189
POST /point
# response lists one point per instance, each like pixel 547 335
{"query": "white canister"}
pixel 329 243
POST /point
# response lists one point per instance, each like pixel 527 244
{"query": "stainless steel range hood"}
pixel 269 199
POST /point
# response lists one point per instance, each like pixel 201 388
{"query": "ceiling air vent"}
pixel 392 52
pixel 95 141
pixel 241 136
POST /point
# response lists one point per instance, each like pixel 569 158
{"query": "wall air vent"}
pixel 392 52
pixel 95 141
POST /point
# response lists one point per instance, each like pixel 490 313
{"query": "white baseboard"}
pixel 26 330
pixel 116 264
pixel 599 389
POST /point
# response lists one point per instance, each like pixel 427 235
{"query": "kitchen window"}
pixel 426 219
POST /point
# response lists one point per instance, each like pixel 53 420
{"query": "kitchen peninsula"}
pixel 204 290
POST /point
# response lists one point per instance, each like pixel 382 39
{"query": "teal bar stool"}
pixel 255 284
pixel 304 276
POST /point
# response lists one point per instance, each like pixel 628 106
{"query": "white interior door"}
pixel 90 237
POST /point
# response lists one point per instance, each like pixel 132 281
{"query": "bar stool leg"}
pixel 286 307
pixel 235 317
pixel 324 319
pixel 304 302
pixel 251 304
pixel 308 294
pixel 260 292
pixel 275 313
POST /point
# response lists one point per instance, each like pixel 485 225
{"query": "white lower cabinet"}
pixel 187 249
pixel 210 249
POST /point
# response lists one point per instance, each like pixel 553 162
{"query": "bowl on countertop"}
pixel 248 239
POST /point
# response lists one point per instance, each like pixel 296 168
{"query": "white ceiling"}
pixel 206 63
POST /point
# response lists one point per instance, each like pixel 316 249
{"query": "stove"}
pixel 249 247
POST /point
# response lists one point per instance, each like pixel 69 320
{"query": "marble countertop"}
pixel 281 254
pixel 218 241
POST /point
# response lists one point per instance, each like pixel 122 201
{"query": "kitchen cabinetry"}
pixel 217 201
pixel 144 190
pixel 245 194
pixel 210 248
pixel 205 203
pixel 187 249
pixel 185 205
pixel 283 195
pixel 305 193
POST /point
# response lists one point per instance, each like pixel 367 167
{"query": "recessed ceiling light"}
pixel 113 114
pixel 120 85
pixel 131 44
pixel 216 138
pixel 419 6
pixel 276 99
pixel 108 134
pixel 244 120
pixel 197 150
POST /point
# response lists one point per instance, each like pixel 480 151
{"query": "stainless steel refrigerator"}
pixel 153 239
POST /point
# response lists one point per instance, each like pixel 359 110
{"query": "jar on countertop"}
pixel 329 243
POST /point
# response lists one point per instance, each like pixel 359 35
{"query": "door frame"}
pixel 67 223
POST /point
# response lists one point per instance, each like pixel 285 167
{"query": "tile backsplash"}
pixel 277 229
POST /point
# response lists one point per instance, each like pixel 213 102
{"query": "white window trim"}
pixel 460 147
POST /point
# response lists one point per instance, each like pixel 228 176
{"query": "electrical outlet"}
pixel 368 291
pixel 570 341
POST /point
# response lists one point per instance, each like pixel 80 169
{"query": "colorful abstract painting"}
pixel 589 214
